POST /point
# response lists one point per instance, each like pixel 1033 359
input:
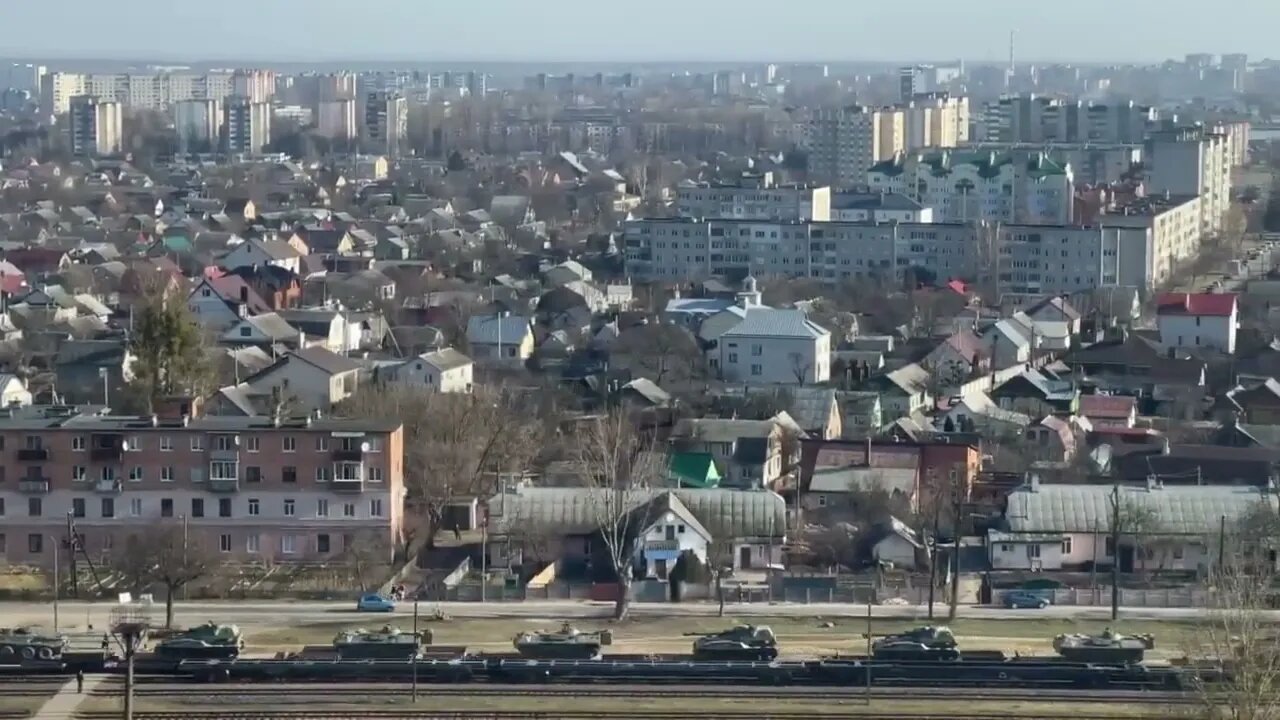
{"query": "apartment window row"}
pixel 289 544
pixel 220 441
pixel 217 470
pixel 136 507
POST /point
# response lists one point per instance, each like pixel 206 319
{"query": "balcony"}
pixel 224 484
pixel 33 454
pixel 108 487
pixel 33 486
pixel 224 455
pixel 662 546
pixel 348 477
pixel 348 454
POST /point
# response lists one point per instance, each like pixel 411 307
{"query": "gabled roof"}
pixel 1203 304
pixel 445 359
pixel 492 329
pixel 1114 407
pixel 318 357
pixel 759 321
pixel 235 291
pixel 1088 509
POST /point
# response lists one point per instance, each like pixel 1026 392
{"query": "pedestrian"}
pixel 80 681
pixel 105 642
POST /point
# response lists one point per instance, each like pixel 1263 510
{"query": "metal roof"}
pixel 771 322
pixel 1180 510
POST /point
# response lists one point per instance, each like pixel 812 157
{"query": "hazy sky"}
pixel 437 30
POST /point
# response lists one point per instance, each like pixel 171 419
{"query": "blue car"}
pixel 1015 599
pixel 374 602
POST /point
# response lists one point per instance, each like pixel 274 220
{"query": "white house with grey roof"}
pixel 445 370
pixel 503 339
pixel 1068 526
pixel 757 344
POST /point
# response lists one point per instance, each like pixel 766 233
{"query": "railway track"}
pixel 880 714
pixel 331 693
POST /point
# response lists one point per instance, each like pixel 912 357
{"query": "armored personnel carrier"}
pixel 566 643
pixel 931 642
pixel 209 641
pixel 19 645
pixel 388 643
pixel 743 642
pixel 1109 647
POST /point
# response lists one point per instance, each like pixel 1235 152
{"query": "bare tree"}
pixel 456 446
pixel 620 468
pixel 165 555
pixel 719 566
pixel 799 367
pixel 661 350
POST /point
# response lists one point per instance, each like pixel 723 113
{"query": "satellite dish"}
pixel 364 446
pixel 124 445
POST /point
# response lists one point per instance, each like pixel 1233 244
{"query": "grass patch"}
pixel 797 636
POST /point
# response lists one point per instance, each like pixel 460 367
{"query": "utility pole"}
pixel 57 580
pixel 414 659
pixel 933 549
pixel 1115 552
pixel 868 658
pixel 957 495
pixel 71 546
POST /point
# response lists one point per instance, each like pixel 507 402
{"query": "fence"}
pixel 1129 597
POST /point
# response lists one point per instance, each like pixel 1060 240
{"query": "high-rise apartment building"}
pixel 257 85
pixel 843 143
pixel 1035 119
pixel 386 122
pixel 336 119
pixel 96 126
pixel 198 124
pixel 935 120
pixel 1193 160
pixel 753 198
pixel 247 125
pixel 153 92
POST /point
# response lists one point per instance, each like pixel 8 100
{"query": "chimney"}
pixel 1035 483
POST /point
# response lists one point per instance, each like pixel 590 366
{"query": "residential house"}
pixel 960 358
pixel 904 391
pixel 1109 410
pixel 1068 527
pixel 754 343
pixel 280 288
pixel 861 413
pixel 267 331
pixel 565 273
pixel 308 379
pixel 1133 365
pixel 937 462
pixel 749 454
pixel 445 370
pixel 1053 440
pixel 503 339
pixel 1037 392
pixel 92 371
pixel 329 328
pixel 219 302
pixel 254 253
pixel 1256 403
pixel 1010 341
pixel 1198 321
pixel 1057 323
pixel 977 412
pixel 751 526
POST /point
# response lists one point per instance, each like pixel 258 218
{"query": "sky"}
pixel 644 30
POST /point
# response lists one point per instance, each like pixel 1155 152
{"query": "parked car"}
pixel 1024 599
pixel 374 602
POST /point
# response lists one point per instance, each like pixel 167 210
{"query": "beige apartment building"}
pixel 843 143
pixel 296 489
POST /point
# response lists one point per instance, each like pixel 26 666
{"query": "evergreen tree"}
pixel 170 354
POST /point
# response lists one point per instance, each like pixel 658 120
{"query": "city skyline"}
pixel 666 30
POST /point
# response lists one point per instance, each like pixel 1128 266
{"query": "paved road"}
pixel 75 614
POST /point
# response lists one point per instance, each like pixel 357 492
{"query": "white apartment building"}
pixel 1168 233
pixel 386 121
pixel 1091 163
pixel 878 207
pixel 1193 160
pixel 257 85
pixel 964 187
pixel 96 126
pixel 198 124
pixel 843 143
pixel 154 91
pixel 753 198
pixel 935 121
pixel 248 125
pixel 682 250
pixel 336 119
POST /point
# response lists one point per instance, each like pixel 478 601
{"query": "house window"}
pixel 290 444
pixel 77 507
pixel 35 543
pixel 251 443
pixel 733 358
pixel 822 501
pixel 1004 548
pixel 288 545
pixel 253 474
pixel 79 472
pixel 757 370
pixel 135 474
pixel 1177 552
pixel 322 508
pixel 225 443
pixel 757 350
pixel 374 474
pixel 254 507
pixel 108 507
pixel 289 474
pixel 1066 546
pixel 322 443
pixel 322 543
pixel 135 507
pixel 135 444
pixel 324 473
pixel 166 473
pixel 197 507
pixel 166 443
pixel 166 507
pixel 77 442
pixel 290 508
pixel 197 443
pixel 251 544
pixel 224 507
pixel 35 507
pixel 245 331
pixel 1110 547
pixel 375 444
pixel 375 508
pixel 224 543
pixel 349 510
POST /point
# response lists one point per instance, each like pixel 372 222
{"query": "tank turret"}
pixel 931 642
pixel 388 643
pixel 566 643
pixel 743 642
pixel 1108 647
pixel 208 641
pixel 21 645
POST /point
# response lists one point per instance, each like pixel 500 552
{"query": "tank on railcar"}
pixel 1110 647
pixel 388 643
pixel 209 641
pixel 25 645
pixel 930 642
pixel 566 643
pixel 743 642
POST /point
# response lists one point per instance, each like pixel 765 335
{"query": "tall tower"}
pixel 1013 58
